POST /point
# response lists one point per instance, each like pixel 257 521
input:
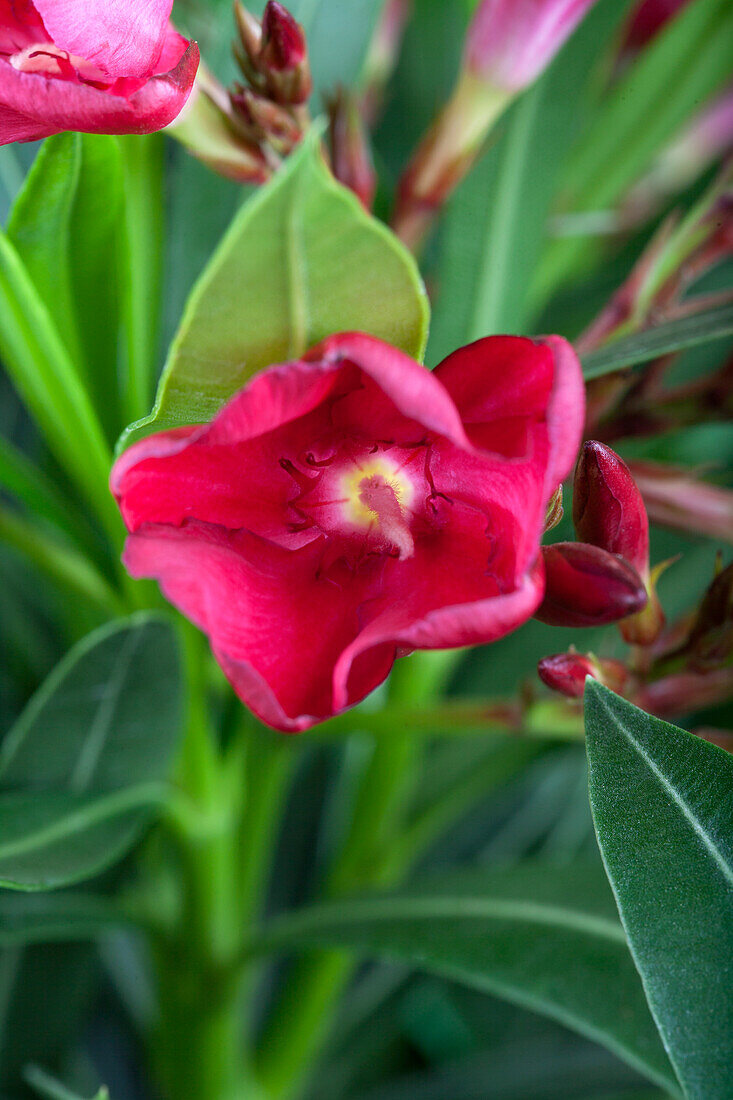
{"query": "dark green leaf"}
pixel 82 769
pixel 55 838
pixel 301 261
pixel 45 1085
pixel 672 336
pixel 56 916
pixel 544 937
pixel 662 802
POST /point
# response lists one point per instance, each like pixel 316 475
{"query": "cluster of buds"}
pixel 245 132
pixel 273 58
pixel 607 577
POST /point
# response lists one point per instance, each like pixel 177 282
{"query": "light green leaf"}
pixel 541 936
pixel 662 802
pixel 671 336
pixel 142 265
pixel 50 386
pixel 65 225
pixel 301 261
pixel 82 769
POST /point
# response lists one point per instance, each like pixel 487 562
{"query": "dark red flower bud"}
pixel 587 586
pixel 566 672
pixel 283 57
pixel 351 158
pixel 608 510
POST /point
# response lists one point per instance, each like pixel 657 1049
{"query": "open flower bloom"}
pixel 99 66
pixel 352 506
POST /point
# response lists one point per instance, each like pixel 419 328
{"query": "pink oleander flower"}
pixel 98 66
pixel 510 42
pixel 352 506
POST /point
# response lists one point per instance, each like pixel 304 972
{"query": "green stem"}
pixel 198 1042
pixel 302 1018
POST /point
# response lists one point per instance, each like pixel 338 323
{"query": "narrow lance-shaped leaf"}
pixel 662 803
pixel 663 339
pixel 541 936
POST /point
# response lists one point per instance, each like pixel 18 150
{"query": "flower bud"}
pixel 645 21
pixel 510 42
pixel 266 121
pixel 566 672
pixel 587 586
pixel 351 158
pixel 283 56
pixel 207 129
pixel 608 510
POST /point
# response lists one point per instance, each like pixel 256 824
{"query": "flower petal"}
pixel 276 627
pixel 451 593
pixel 34 106
pixel 122 37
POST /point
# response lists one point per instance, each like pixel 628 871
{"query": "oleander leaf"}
pixel 662 802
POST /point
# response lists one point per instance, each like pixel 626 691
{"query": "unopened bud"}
pixel 510 42
pixel 210 133
pixel 283 56
pixel 587 586
pixel 608 510
pixel 566 672
pixel 351 158
pixel 265 120
pixel 711 639
pixel 645 21
pixel 250 31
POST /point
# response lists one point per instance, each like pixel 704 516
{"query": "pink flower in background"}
pixel 510 42
pixel 351 506
pixel 99 66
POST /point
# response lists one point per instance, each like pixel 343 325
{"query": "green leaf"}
pixel 49 384
pixel 662 802
pixel 54 917
pixel 301 261
pixel 671 336
pixel 62 837
pixel 142 265
pixel 83 768
pixel 496 223
pixel 65 225
pixel 637 118
pixel 541 936
pixel 46 1085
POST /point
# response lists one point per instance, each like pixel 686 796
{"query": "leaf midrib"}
pixel 672 791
